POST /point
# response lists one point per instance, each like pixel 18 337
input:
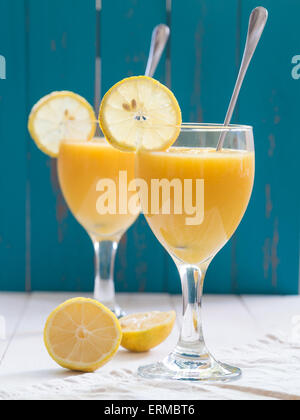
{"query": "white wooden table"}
pixel 228 321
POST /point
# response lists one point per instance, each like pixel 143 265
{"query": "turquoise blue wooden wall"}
pixel 53 44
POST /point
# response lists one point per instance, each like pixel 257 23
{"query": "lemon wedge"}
pixel 144 331
pixel 59 116
pixel 140 112
pixel 82 335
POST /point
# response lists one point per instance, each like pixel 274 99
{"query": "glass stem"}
pixel 191 342
pixel 105 253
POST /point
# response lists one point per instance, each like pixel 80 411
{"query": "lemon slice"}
pixel 142 332
pixel 82 335
pixel 140 112
pixel 59 116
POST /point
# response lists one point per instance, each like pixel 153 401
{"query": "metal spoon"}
pixel 257 22
pixel 159 40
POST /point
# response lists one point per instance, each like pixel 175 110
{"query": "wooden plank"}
pixel 204 67
pixel 274 313
pixel 126 29
pixel 27 361
pixel 12 306
pixel 13 140
pixel 61 57
pixel 268 239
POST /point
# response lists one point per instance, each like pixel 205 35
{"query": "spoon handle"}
pixel 159 40
pixel 257 22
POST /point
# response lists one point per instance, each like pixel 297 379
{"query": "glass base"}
pixel 185 368
pixel 118 312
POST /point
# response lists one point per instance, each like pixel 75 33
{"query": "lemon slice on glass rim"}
pixel 82 335
pixel 58 116
pixel 140 113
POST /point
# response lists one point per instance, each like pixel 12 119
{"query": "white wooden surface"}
pixel 228 321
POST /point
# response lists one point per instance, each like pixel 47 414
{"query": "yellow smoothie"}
pixel 227 180
pixel 81 166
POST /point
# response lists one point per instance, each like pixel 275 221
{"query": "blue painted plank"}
pixel 204 66
pixel 126 29
pixel 41 241
pixel 268 240
pixel 62 47
pixel 13 158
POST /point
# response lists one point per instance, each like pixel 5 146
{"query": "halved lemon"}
pixel 144 331
pixel 140 112
pixel 59 116
pixel 82 335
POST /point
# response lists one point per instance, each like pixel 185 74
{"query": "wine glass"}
pixel 85 171
pixel 194 198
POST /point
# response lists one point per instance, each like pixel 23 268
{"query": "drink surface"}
pixel 228 177
pixel 81 165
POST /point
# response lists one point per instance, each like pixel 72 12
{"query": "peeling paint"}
pixel 197 78
pixel 269 204
pixel 266 261
pixel 138 58
pixel 53 45
pixel 274 253
pixel 130 13
pixel 272 146
pixel 277 119
pixel 64 40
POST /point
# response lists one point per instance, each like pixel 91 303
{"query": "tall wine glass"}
pixel 194 198
pixel 85 170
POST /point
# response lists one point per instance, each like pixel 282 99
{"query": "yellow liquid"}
pixel 228 181
pixel 81 165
